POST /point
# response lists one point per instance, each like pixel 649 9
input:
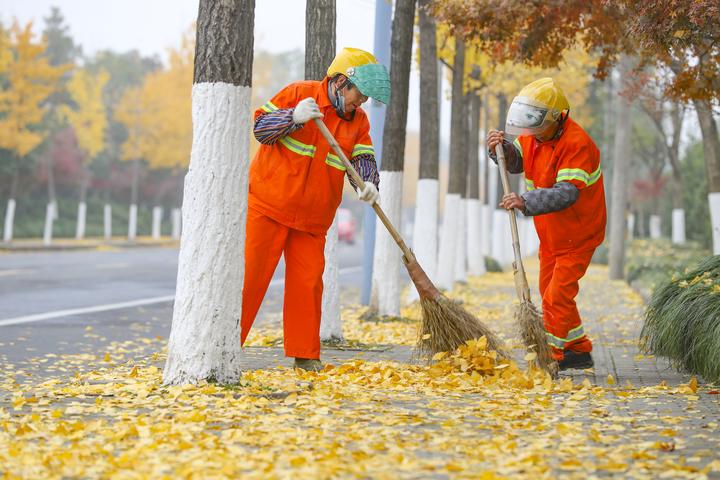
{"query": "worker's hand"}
pixel 370 193
pixel 306 110
pixel 512 200
pixel 494 137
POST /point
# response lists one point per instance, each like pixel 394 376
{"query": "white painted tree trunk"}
pixel 205 336
pixel 678 226
pixel 448 242
pixel 81 218
pixel 461 250
pixel 330 321
pixel 476 261
pixel 176 224
pixel 107 221
pixel 386 263
pixel 714 201
pixel 493 178
pixel 486 232
pixel 631 226
pixel 9 221
pixel 156 222
pixel 425 229
pixel 50 216
pixel 502 240
pixel 132 223
pixel 655 227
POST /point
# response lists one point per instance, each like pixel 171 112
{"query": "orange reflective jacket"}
pixel 298 180
pixel 572 158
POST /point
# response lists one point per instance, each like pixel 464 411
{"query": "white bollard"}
pixel 714 201
pixel 176 223
pixel 9 220
pixel 48 228
pixel 678 226
pixel 655 227
pixel 107 221
pixel 156 222
pixel 81 218
pixel 132 223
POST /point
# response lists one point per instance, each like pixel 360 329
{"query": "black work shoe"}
pixel 309 364
pixel 579 360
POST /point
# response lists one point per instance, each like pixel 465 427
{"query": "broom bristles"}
pixel 529 321
pixel 449 325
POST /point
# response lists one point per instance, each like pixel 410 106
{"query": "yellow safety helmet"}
pixel 539 104
pixel 364 71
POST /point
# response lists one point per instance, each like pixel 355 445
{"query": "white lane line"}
pixel 20 271
pixel 116 306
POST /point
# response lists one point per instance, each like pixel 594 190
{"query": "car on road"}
pixel 346 226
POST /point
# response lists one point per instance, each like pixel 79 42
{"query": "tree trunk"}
pixel 460 273
pixel 320 21
pixel 425 229
pixel 486 172
pixel 456 174
pixel 204 339
pixel 320 18
pixel 607 160
pixel 132 217
pixel 82 205
pixel 10 208
pixel 476 261
pixel 618 210
pixel 386 265
pixel 711 148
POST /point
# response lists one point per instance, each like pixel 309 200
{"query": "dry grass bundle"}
pixel 682 321
pixel 446 325
pixel 532 333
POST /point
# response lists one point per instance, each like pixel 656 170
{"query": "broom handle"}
pixel 361 185
pixel 513 222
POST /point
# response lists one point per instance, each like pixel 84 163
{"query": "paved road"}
pixel 48 300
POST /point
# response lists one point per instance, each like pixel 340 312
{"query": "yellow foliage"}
pixel 89 117
pixel 157 114
pixel 30 80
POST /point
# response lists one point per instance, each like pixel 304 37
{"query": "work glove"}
pixel 306 110
pixel 370 193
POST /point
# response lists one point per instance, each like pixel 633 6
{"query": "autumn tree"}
pixel 205 335
pixel 386 263
pixel 89 120
pixel 30 80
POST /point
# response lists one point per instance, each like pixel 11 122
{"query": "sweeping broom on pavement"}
pixel 527 316
pixel 445 324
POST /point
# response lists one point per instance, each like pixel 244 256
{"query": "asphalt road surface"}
pixel 49 301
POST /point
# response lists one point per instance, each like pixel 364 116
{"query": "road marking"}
pixel 116 306
pixel 7 273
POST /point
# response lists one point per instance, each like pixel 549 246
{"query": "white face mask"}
pixel 526 118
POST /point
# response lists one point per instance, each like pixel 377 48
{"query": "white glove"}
pixel 306 110
pixel 370 193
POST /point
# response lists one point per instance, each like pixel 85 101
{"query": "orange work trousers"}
pixel 559 277
pixel 304 253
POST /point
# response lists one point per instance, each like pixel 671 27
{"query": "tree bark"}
pixel 319 52
pixel 204 338
pixel 456 175
pixel 386 265
pixel 618 210
pixel 476 260
pixel 320 19
pixel 425 227
pixel 711 143
pixel 429 105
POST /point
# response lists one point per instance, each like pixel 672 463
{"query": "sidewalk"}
pixel 374 413
pixel 59 244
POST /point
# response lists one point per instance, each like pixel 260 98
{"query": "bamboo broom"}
pixel 527 317
pixel 445 324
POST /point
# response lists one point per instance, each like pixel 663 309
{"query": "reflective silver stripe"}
pixel 574 334
pixel 360 149
pixel 516 142
pixel 334 161
pixel 269 107
pixel 297 147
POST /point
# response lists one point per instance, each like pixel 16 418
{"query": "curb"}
pixel 57 247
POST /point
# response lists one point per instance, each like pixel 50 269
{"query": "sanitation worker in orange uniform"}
pixel 296 184
pixel 566 198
